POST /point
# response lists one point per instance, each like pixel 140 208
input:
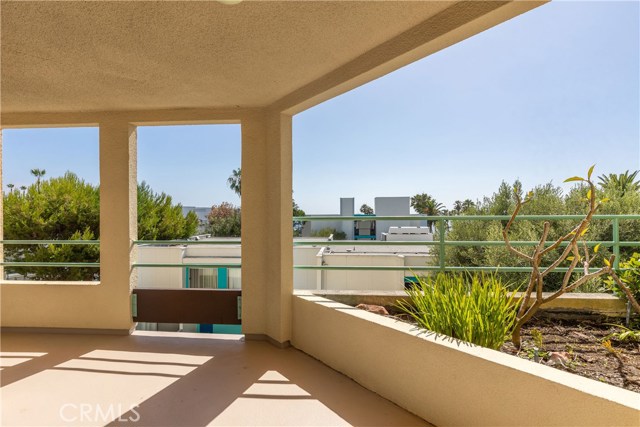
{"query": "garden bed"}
pixel 575 342
pixel 447 382
pixel 580 348
pixel 575 346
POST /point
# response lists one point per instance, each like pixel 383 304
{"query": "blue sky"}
pixel 538 98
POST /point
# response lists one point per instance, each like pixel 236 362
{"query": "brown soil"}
pixel 581 343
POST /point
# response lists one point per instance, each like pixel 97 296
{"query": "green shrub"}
pixel 477 308
pixel 630 276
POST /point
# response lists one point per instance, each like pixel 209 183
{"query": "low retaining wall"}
pixel 447 382
pixel 571 305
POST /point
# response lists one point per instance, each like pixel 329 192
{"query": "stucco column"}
pixel 118 216
pixel 267 232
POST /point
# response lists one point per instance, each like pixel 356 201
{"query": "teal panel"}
pixel 223 278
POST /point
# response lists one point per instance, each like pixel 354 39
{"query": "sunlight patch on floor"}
pixel 93 389
pixel 274 400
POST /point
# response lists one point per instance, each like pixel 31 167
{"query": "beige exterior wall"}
pixel 97 306
pixel 266 134
pixel 450 383
pixel 267 236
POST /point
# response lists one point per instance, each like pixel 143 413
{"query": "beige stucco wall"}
pixel 267 235
pixel 105 305
pixel 266 139
pixel 450 383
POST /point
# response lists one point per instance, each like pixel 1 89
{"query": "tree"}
pixel 10 187
pixel 68 208
pixel 467 205
pixel 366 209
pixel 23 188
pixel 576 253
pixel 38 173
pixel 63 208
pixel 462 207
pixel 160 219
pixel 235 181
pixel 424 204
pixel 620 183
pixel 297 225
pixel 457 207
pixel 224 220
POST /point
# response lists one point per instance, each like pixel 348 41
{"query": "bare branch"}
pixel 575 284
pixel 505 232
pixel 574 263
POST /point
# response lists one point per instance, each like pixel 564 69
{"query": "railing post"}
pixel 441 228
pixel 616 242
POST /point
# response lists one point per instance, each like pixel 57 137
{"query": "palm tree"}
pixel 457 207
pixel 10 187
pixel 38 173
pixel 426 205
pixel 620 183
pixel 24 189
pixel 235 181
pixel 468 204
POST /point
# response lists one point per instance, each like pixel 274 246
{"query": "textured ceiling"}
pixel 98 56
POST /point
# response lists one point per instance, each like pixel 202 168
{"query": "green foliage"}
pixel 326 232
pixel 620 183
pixel 547 199
pixel 63 208
pixel 630 275
pixel 475 308
pixel 624 334
pixel 224 220
pixel 538 339
pixel 297 225
pixel 235 181
pixel 463 208
pixel 366 209
pixel 160 219
pixel 424 204
pixel 68 208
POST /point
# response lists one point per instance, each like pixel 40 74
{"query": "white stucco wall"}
pixel 160 277
pixel 336 255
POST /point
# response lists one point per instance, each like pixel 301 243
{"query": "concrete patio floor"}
pixel 177 379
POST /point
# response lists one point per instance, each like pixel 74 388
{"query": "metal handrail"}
pixel 442 243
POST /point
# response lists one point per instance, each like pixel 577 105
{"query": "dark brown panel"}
pixel 219 306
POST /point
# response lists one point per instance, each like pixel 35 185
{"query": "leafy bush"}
pixel 630 276
pixel 326 232
pixel 477 308
pixel 224 220
pixel 68 208
pixel 547 200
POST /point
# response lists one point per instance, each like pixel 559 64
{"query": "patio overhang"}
pixel 118 65
pixel 73 57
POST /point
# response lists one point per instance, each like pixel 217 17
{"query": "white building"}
pixel 183 273
pixel 383 206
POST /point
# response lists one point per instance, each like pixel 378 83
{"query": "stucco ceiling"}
pixel 102 56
